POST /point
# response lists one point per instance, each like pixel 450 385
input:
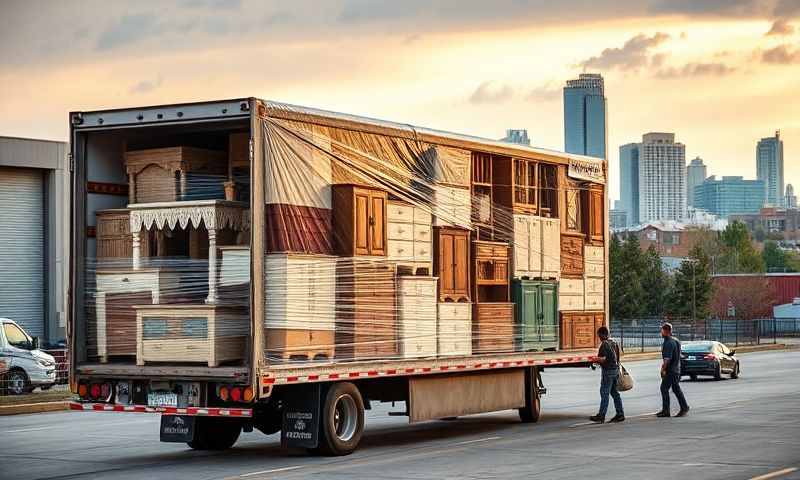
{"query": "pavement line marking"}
pixel 477 440
pixel 775 474
pixel 274 470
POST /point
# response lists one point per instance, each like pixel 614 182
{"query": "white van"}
pixel 25 366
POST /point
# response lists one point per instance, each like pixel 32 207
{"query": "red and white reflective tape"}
pixel 191 411
pixel 275 379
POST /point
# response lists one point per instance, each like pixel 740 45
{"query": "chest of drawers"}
pixel 416 316
pixel 409 237
pixel 454 329
pixel 493 327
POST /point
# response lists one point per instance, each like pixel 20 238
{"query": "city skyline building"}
pixel 730 195
pixel 769 168
pixel 662 178
pixel 518 136
pixel 696 173
pixel 629 182
pixel 790 199
pixel 585 116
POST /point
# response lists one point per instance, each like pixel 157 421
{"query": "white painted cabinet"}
pixel 571 294
pixel 454 329
pixel 416 316
pixel 537 247
pixel 300 291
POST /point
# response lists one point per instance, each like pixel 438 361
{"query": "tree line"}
pixel 641 286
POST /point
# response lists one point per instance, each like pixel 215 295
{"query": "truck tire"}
pixel 213 433
pixel 342 420
pixel 533 401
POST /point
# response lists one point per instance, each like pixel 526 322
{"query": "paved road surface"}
pixel 738 429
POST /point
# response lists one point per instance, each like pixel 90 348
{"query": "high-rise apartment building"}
pixel 696 173
pixel 790 199
pixel 629 181
pixel 662 178
pixel 585 116
pixel 731 195
pixel 516 136
pixel 769 167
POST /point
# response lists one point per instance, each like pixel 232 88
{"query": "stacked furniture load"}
pixel 156 277
pixel 454 311
pixel 581 292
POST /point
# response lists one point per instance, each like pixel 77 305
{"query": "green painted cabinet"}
pixel 535 314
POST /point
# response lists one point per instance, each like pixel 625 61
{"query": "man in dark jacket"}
pixel 671 373
pixel 608 358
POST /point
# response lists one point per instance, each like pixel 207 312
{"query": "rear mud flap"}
pixel 177 428
pixel 301 417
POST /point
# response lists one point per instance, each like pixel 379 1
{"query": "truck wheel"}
pixel 342 420
pixel 533 401
pixel 212 433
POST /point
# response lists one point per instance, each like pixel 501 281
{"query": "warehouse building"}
pixel 34 223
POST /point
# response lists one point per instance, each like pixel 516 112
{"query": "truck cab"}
pixel 26 367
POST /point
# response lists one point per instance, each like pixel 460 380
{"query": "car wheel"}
pixel 693 377
pixel 17 383
pixel 735 371
pixel 718 373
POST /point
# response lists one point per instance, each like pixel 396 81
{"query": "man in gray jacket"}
pixel 608 358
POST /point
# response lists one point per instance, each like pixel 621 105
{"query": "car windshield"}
pixel 697 347
pixel 15 336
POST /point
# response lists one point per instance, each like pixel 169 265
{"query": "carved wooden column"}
pixel 137 254
pixel 212 266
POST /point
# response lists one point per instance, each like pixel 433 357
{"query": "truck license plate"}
pixel 162 399
pixel 691 357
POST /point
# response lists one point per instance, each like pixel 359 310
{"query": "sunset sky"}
pixel 719 73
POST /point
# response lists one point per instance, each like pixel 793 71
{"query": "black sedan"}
pixel 708 358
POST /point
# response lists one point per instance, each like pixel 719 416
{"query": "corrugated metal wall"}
pixel 22 253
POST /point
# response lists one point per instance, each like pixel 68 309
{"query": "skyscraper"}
pixel 662 178
pixel 629 181
pixel 790 201
pixel 696 173
pixel 516 136
pixel 585 116
pixel 769 167
pixel 731 195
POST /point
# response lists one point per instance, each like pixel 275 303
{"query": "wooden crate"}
pixel 493 327
pixel 366 317
pixel 579 329
pixel 210 334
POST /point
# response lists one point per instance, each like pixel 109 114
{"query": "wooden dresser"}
pixel 300 317
pixel 409 237
pixel 416 316
pixel 366 317
pixel 579 329
pixel 493 327
pixel 490 260
pixel 454 329
pixel 359 220
pixel 163 174
pixel 572 254
pixel 451 263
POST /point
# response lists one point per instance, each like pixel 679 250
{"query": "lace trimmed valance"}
pixel 214 215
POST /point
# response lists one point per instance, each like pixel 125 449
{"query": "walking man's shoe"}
pixel 597 418
pixel 683 412
pixel 662 414
pixel 617 419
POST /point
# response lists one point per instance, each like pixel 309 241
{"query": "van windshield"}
pixel 16 336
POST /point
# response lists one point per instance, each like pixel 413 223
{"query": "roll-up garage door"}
pixel 22 279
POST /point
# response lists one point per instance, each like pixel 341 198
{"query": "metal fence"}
pixel 645 334
pixel 22 380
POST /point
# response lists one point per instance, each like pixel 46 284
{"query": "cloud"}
pixel 488 92
pixel 631 56
pixel 696 70
pixel 781 55
pixel 129 29
pixel 213 4
pixel 545 93
pixel 781 27
pixel 146 86
pixel 787 8
pixel 721 8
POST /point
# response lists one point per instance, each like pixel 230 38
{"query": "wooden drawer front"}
pixel 422 217
pixel 570 286
pixel 455 311
pixel 594 254
pixel 417 287
pixel 454 337
pixel 578 331
pixel 571 255
pixel 570 302
pixel 401 250
pixel 595 269
pixel 451 207
pixel 490 250
pixel 423 233
pixel 400 231
pixel 127 281
pixel 493 327
pixel 422 252
pixel 400 213
pixel 417 332
pixel 594 301
pixel 594 286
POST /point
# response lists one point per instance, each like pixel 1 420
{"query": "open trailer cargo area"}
pixel 251 255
